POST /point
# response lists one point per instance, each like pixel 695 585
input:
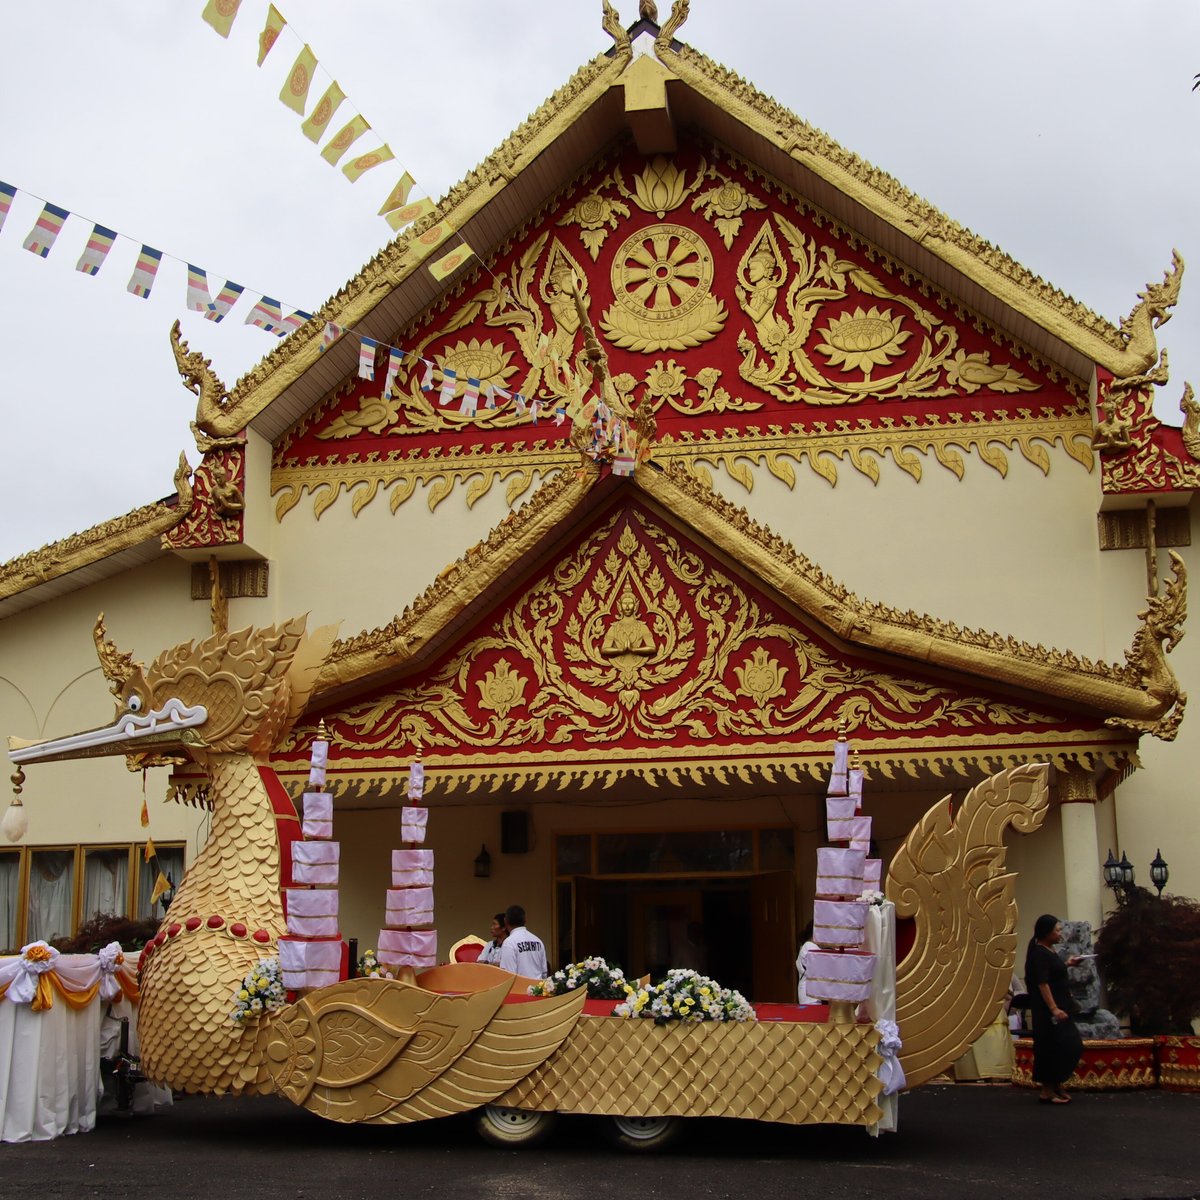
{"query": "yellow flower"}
pixel 243 994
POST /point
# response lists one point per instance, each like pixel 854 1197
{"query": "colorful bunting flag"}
pixel 534 410
pixel 162 885
pixel 357 167
pixel 198 299
pixel 489 396
pixel 270 34
pixel 224 302
pixel 294 92
pixel 470 400
pixel 294 321
pixel 427 378
pixel 220 14
pixel 344 139
pixel 318 120
pixel 395 358
pixel 45 230
pixel 449 385
pixel 267 314
pixel 449 263
pixel 144 271
pixel 366 358
pixel 7 194
pixel 432 238
pixel 149 851
pixel 96 250
pixel 400 217
pixel 330 335
pixel 398 196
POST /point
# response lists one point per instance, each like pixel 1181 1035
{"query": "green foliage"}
pixel 1148 952
pixel 102 928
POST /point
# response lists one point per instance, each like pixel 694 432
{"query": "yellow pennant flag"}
pixel 318 120
pixel 145 814
pixel 294 92
pixel 162 885
pixel 399 217
pixel 449 263
pixel 356 167
pixel 398 196
pixel 220 14
pixel 270 34
pixel 432 238
pixel 344 139
pixel 150 851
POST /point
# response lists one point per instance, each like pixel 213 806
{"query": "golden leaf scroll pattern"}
pixel 700 660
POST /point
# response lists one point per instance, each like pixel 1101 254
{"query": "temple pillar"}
pixel 1081 848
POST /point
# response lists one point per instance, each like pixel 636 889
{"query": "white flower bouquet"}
pixel 602 981
pixel 261 991
pixel 369 967
pixel 685 995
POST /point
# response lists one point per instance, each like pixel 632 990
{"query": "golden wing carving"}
pixel 950 876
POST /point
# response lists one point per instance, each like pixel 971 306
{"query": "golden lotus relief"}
pixel 635 634
pixel 662 292
pixel 858 342
pixel 725 205
pixel 596 215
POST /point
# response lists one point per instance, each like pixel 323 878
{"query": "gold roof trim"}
pixel 1123 350
pixel 355 301
pixel 99 542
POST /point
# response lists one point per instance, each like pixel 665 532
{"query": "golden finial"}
pixel 322 730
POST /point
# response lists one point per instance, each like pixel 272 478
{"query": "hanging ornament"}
pixel 16 820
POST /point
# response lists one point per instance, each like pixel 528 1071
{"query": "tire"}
pixel 644 1135
pixel 513 1127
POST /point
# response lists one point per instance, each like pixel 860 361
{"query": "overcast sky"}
pixel 1059 130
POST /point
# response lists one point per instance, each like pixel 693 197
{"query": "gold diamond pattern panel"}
pixel 768 1071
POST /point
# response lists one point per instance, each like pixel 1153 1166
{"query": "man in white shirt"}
pixel 491 952
pixel 523 953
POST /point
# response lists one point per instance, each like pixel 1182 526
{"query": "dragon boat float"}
pixel 460 1037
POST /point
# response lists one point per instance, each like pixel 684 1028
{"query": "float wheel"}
pixel 644 1135
pixel 513 1127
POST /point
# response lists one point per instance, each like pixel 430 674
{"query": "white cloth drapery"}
pixel 881 1007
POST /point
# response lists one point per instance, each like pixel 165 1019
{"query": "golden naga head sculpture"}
pixel 230 693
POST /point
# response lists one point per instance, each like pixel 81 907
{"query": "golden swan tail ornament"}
pixel 949 875
pixel 225 701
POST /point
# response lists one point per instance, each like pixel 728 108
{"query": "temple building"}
pixel 720 446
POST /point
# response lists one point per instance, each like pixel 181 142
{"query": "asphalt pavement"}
pixel 954 1140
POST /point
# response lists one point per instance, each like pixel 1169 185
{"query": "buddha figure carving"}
pixel 628 642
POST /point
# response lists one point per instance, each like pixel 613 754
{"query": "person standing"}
pixel 491 952
pixel 1057 1046
pixel 523 952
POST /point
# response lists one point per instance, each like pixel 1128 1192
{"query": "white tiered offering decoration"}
pixel 409 938
pixel 310 953
pixel 840 971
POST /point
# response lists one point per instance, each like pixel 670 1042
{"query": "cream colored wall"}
pixel 51 685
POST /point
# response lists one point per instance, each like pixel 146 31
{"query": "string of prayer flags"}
pixel 145 817
pixel 144 271
pixel 449 385
pixel 330 335
pixel 366 358
pixel 397 218
pixel 357 167
pixel 96 250
pixel 198 299
pixel 449 263
pixel 427 378
pixel 220 14
pixel 293 321
pixel 149 851
pixel 344 139
pixel 318 120
pixel 398 197
pixel 266 314
pixel 7 195
pixel 470 400
pixel 270 34
pixel 395 358
pixel 220 307
pixel 294 92
pixel 45 230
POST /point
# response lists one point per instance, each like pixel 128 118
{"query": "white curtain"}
pixel 169 860
pixel 10 875
pixel 51 885
pixel 105 883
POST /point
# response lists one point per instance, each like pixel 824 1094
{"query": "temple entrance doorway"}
pixel 740 931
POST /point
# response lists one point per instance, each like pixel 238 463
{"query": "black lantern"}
pixel 1112 872
pixel 169 895
pixel 1126 871
pixel 1158 871
pixel 483 863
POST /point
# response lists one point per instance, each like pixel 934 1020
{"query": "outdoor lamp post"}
pixel 1112 872
pixel 1158 872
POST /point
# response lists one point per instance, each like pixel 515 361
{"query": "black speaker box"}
pixel 514 832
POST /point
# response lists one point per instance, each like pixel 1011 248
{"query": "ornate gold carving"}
pixel 949 875
pixel 662 287
pixel 502 689
pixel 1160 632
pixel 596 214
pixel 611 24
pixel 854 343
pixel 724 205
pixel 212 397
pixel 679 14
pixel 101 541
pixel 661 187
pixel 1191 421
pixel 1134 460
pixel 760 677
pixel 1152 310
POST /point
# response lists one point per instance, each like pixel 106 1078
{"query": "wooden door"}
pixel 773 934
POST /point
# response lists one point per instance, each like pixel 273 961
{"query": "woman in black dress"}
pixel 1057 1046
